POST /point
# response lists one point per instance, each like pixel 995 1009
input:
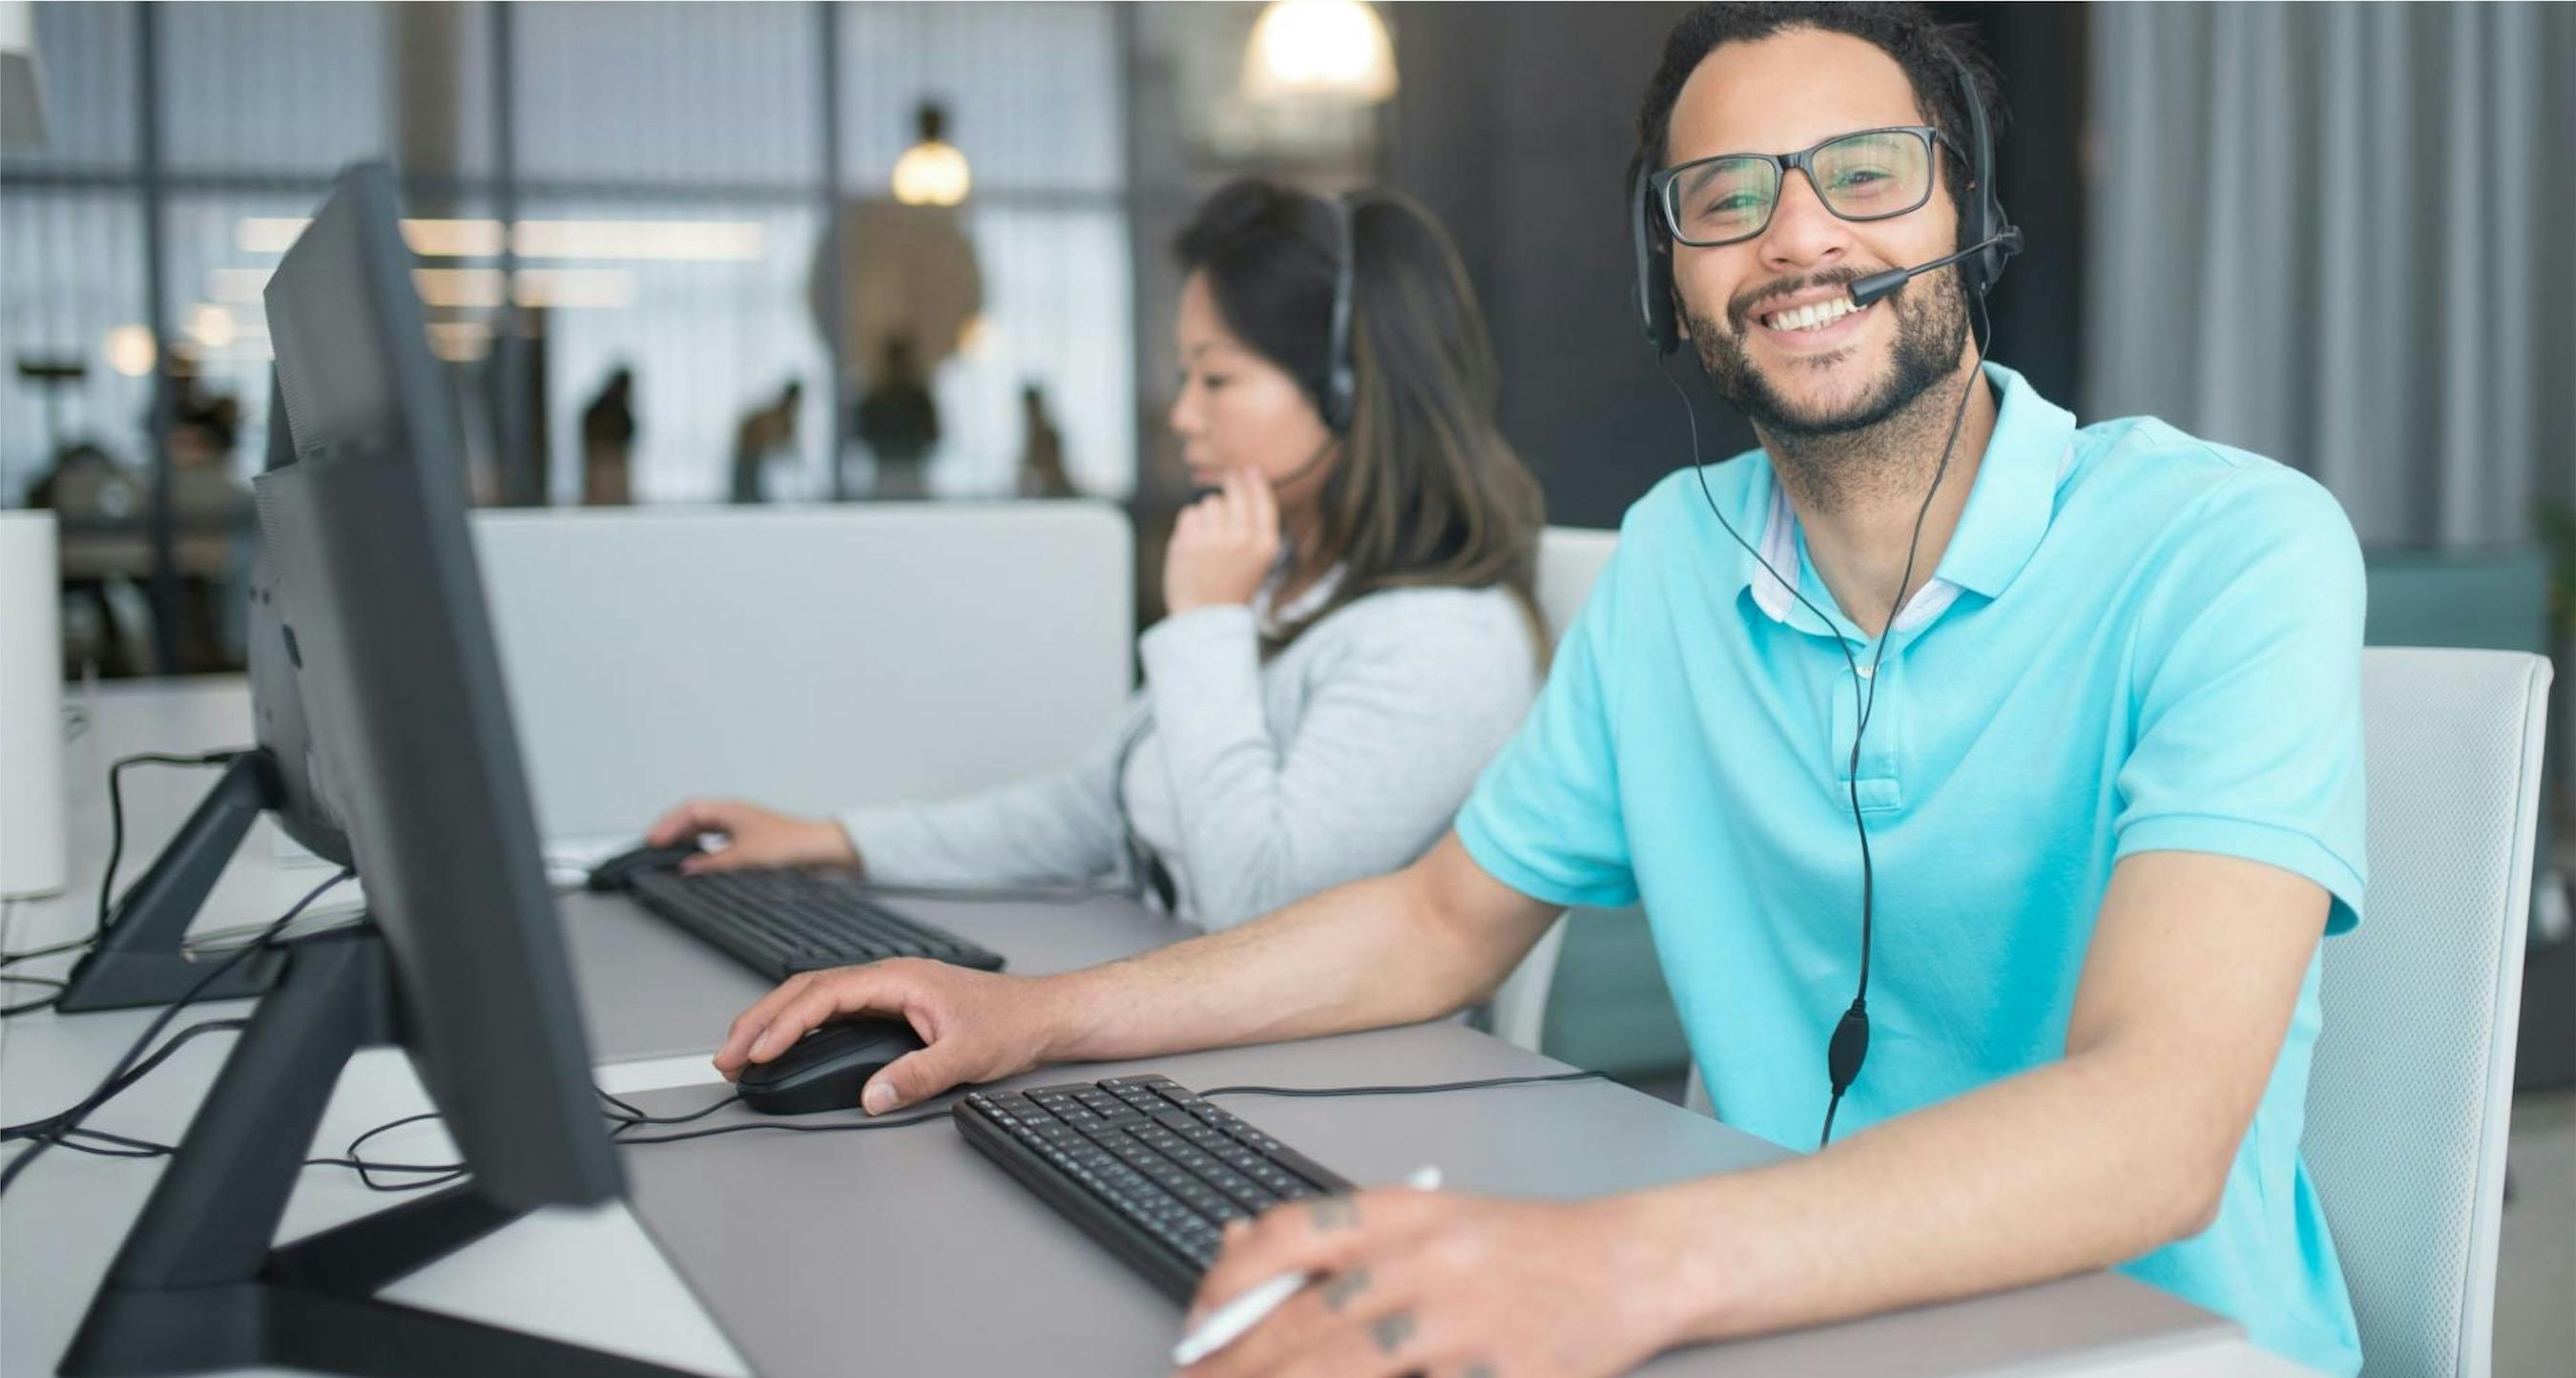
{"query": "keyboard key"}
pixel 1150 1154
pixel 784 921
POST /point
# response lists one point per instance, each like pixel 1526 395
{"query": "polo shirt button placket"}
pixel 1881 789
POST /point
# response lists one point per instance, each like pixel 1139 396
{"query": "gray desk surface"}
pixel 775 1230
pixel 650 991
pixel 868 1251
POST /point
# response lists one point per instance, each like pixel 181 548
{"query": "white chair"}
pixel 1569 559
pixel 2413 1079
pixel 814 658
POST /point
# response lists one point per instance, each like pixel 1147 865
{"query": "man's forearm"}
pixel 2122 1146
pixel 1362 956
pixel 2066 1168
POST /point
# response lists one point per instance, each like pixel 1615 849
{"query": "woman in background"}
pixel 1352 629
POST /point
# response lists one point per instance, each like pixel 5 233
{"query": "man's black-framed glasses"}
pixel 1872 174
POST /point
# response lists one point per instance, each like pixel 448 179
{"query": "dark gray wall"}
pixel 2039 164
pixel 1515 127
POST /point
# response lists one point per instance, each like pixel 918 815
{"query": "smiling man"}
pixel 2048 734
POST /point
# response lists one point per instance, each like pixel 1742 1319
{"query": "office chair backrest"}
pixel 1569 560
pixel 812 658
pixel 2413 1079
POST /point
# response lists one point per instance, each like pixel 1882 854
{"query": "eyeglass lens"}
pixel 1865 176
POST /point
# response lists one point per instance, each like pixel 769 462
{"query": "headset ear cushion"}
pixel 1981 224
pixel 1666 331
pixel 1341 381
pixel 1983 217
pixel 1654 268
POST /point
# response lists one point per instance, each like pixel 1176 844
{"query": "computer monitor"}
pixel 392 645
pixel 462 962
pixel 140 957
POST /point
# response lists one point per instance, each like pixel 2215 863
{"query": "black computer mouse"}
pixel 615 872
pixel 826 1069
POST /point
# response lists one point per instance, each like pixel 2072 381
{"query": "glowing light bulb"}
pixel 1335 50
pixel 130 350
pixel 932 172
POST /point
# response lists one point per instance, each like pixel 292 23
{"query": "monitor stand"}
pixel 197 1286
pixel 139 960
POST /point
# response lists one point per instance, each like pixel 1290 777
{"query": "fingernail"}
pixel 880 1098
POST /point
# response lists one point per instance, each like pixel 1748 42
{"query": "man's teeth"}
pixel 1812 316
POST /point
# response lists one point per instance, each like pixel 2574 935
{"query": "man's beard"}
pixel 1931 329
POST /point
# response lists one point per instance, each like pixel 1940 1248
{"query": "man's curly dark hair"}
pixel 1928 50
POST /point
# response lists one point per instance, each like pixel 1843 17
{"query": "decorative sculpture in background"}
pixel 910 289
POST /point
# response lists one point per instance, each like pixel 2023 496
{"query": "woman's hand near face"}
pixel 1223 546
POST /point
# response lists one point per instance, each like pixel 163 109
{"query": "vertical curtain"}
pixel 2344 236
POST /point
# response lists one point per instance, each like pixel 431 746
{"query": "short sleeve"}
pixel 1545 817
pixel 2247 690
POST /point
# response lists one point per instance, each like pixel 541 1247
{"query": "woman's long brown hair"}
pixel 1427 493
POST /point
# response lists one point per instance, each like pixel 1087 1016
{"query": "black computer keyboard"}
pixel 1142 1165
pixel 782 922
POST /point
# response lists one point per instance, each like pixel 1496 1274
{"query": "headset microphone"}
pixel 1869 289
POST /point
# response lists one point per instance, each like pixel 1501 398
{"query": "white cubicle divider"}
pixel 813 658
pixel 33 843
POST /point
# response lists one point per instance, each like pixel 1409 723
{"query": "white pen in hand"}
pixel 1233 1320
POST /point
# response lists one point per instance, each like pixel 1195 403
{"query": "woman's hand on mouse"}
pixel 1223 545
pixel 976 1026
pixel 754 837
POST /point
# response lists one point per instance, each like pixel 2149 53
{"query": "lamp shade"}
pixel 22 106
pixel 1326 50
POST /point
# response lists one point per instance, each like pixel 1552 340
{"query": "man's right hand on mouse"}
pixel 977 1026
pixel 754 837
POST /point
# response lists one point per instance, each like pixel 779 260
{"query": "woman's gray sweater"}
pixel 1252 784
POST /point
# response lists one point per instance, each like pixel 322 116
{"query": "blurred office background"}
pixel 792 252
pixel 688 254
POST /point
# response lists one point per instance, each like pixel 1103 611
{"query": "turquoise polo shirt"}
pixel 2136 641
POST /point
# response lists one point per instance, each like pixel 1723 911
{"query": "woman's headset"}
pixel 1341 381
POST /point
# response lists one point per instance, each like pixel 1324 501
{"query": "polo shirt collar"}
pixel 2008 512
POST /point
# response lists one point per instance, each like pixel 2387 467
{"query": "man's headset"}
pixel 1989 234
pixel 1991 240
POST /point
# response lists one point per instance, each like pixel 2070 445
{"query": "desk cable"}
pixel 59 1128
pixel 107 879
pixel 624 1115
